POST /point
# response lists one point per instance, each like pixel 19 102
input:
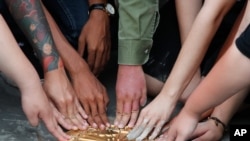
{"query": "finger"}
pixel 134 114
pixel 157 130
pixel 102 113
pixel 198 131
pixel 127 108
pixel 54 129
pixel 61 120
pixel 91 59
pixel 106 98
pixel 71 110
pixel 145 133
pixel 203 137
pixel 162 138
pixel 95 116
pixel 87 110
pixel 119 110
pixel 143 100
pixel 83 124
pixel 82 45
pixel 33 119
pixel 80 109
pixel 98 61
pixel 62 109
pixel 138 129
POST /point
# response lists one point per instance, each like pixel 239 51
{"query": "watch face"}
pixel 110 9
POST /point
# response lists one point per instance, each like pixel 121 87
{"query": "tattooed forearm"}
pixel 31 19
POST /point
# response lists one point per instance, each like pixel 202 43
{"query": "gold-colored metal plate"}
pixel 91 134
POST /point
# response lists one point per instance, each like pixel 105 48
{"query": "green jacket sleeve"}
pixel 138 20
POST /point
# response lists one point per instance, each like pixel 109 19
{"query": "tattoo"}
pixel 31 19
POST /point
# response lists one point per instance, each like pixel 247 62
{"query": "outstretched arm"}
pixel 227 78
pixel 91 93
pixel 15 65
pixel 196 36
pixel 31 19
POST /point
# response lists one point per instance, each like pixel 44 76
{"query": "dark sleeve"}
pixel 243 42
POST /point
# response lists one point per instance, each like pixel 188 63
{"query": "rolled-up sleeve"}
pixel 138 20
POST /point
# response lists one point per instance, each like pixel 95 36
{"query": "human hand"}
pixel 61 93
pixel 207 131
pixel 152 118
pixel 96 37
pixel 93 96
pixel 36 105
pixel 181 128
pixel 130 94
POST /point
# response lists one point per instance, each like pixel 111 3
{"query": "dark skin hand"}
pixel 95 39
pixel 94 99
pixel 90 92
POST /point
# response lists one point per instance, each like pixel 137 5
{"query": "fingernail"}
pixel 138 139
pixel 102 127
pixel 121 126
pixel 94 125
pixel 75 128
pixel 150 138
pixel 129 137
pixel 131 125
pixel 116 123
pixel 144 103
pixel 107 124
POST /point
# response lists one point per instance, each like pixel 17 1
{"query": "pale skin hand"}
pixel 184 124
pixel 38 32
pixel 36 106
pixel 186 64
pixel 202 99
pixel 96 38
pixel 86 86
pixel 144 125
pixel 65 101
pixel 34 101
pixel 208 131
pixel 130 94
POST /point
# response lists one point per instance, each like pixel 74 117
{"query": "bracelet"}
pixel 108 8
pixel 99 6
pixel 218 121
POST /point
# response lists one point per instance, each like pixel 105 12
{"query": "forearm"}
pixel 32 21
pixel 227 109
pixel 66 51
pixel 13 62
pixel 186 14
pixel 137 23
pixel 194 48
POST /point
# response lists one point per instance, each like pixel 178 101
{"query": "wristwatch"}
pixel 108 8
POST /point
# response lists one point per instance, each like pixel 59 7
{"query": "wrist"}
pixel 134 68
pixel 78 68
pixel 218 123
pixel 91 2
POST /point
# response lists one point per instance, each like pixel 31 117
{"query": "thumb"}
pixel 33 119
pixel 197 132
pixel 143 100
pixel 82 44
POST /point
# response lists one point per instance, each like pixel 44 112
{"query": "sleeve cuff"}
pixel 134 52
